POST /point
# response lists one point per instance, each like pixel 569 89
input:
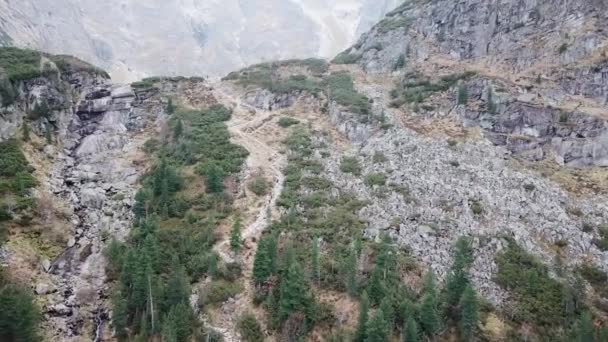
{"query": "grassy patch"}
pixel 342 90
pixel 346 58
pixel 271 76
pixel 393 23
pixel 219 291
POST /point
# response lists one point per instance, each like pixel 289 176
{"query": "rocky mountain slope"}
pixel 186 37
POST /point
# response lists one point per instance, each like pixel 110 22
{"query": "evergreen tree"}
pixel 389 312
pixel 463 94
pixel 584 328
pixel 429 316
pixel 48 134
pixel 603 335
pixel 410 331
pixel 178 129
pixel 250 329
pixel 26 131
pixel 120 315
pixel 377 328
pixel 294 295
pixel 214 178
pixel 491 106
pixel 235 236
pixel 458 277
pixel 271 248
pixel 376 287
pixel 351 273
pixel 170 106
pixel 363 318
pixel 19 315
pixel 469 314
pixel 262 263
pixel 140 208
pixel 315 263
pixel 178 284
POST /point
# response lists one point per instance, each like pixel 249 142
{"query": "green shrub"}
pixel 593 275
pixel 250 329
pixel 287 122
pixel 379 158
pixel 375 179
pixel 342 90
pixel 259 186
pixel 350 165
pixel 562 48
pixel 602 241
pixel 476 207
pixel 529 187
pixel 463 94
pixel 20 64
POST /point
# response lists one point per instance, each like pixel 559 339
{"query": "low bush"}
pixel 259 186
pixel 250 329
pixel 375 179
pixel 287 122
pixel 350 165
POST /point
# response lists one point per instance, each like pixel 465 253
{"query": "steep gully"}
pixel 94 175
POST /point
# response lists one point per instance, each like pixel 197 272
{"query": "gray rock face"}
pixel 177 35
pixel 509 34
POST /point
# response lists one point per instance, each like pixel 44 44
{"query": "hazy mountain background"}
pixel 136 38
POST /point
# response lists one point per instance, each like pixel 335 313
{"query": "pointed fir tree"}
pixel 178 129
pixel 25 128
pixel 458 276
pixel 315 262
pixel 170 106
pixel 389 312
pixel 120 315
pixel 376 288
pixel 293 292
pixel 48 134
pixel 262 263
pixel 584 328
pixel 463 94
pixel 235 236
pixel 429 315
pixel 377 328
pixel 351 274
pixel 410 330
pixel 214 178
pixel 469 314
pixel 363 318
pixel 178 284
